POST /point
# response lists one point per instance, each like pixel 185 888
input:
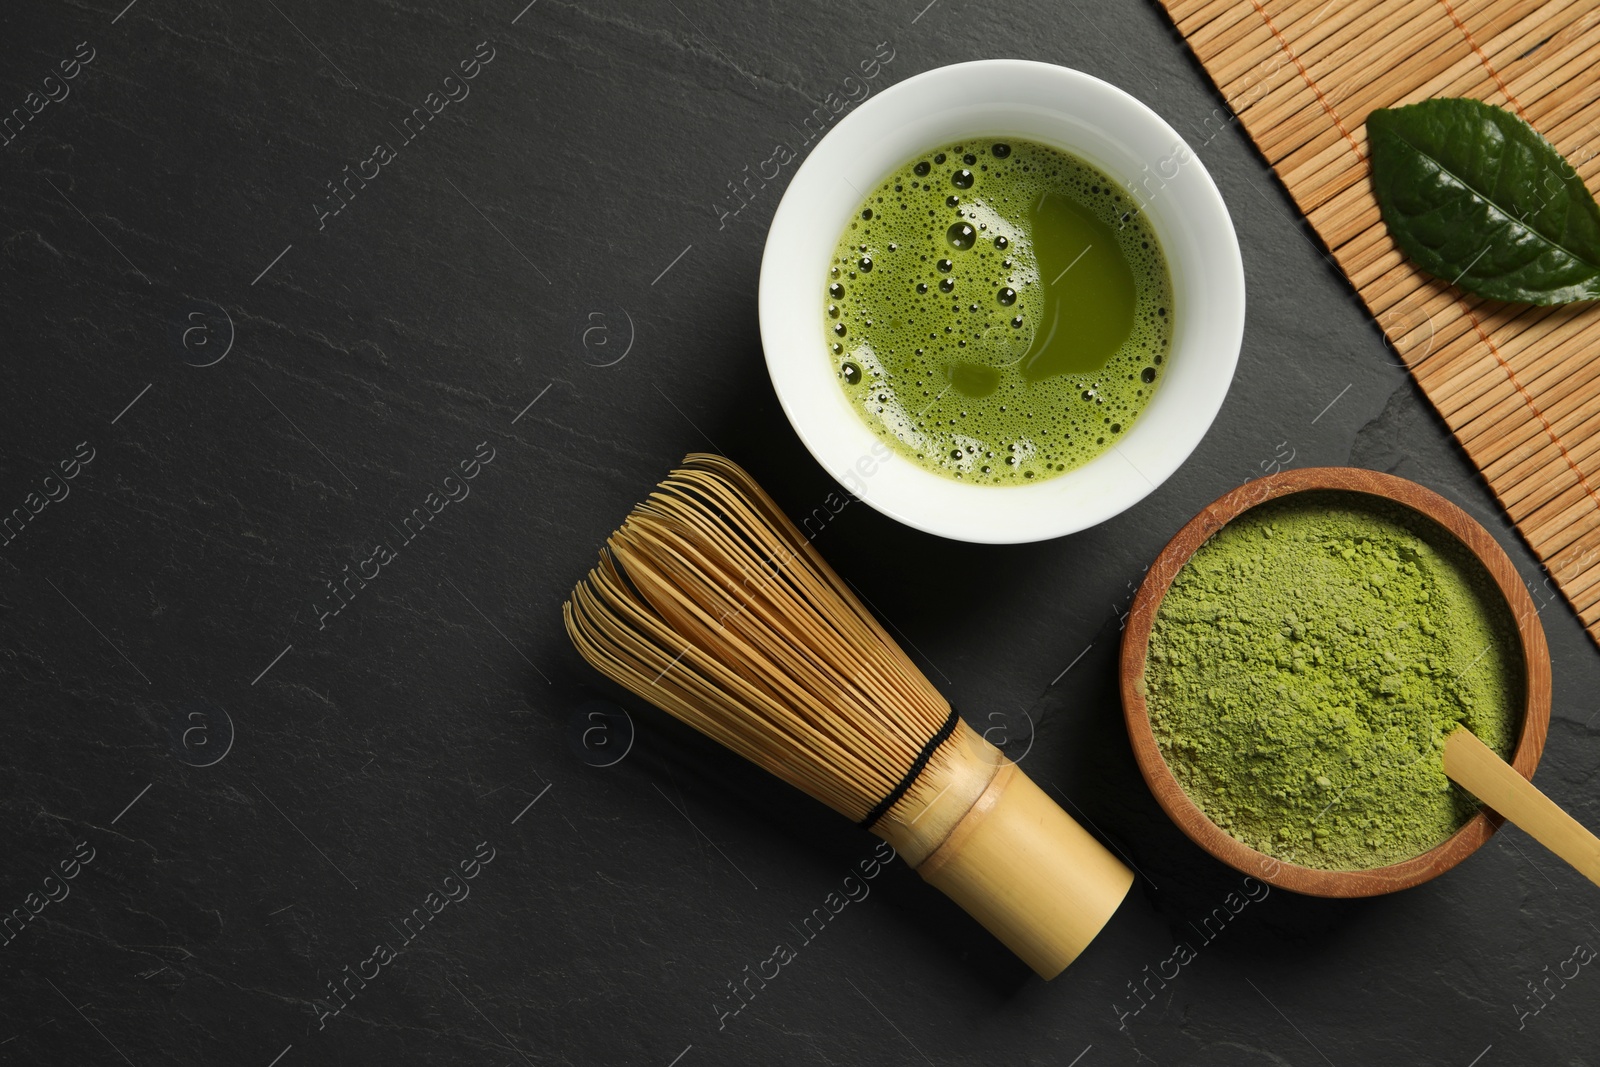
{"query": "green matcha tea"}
pixel 998 311
pixel 1306 666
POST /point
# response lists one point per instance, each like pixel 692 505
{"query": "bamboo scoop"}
pixel 1474 766
pixel 710 604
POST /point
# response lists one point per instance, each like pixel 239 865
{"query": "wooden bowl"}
pixel 1187 814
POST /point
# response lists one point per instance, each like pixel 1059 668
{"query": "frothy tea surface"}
pixel 998 311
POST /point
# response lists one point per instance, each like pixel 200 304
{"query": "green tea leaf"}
pixel 1478 198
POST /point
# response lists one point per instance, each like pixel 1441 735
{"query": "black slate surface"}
pixel 252 792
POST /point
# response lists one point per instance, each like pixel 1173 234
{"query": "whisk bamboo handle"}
pixel 996 844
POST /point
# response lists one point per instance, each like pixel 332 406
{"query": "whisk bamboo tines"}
pixel 709 603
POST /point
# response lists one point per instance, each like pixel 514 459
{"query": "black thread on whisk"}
pixel 881 809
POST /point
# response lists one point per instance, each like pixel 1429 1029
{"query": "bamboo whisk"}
pixel 709 603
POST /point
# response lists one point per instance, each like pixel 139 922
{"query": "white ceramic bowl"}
pixel 1069 110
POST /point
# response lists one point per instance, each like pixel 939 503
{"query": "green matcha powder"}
pixel 1306 666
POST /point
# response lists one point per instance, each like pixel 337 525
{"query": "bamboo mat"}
pixel 1519 386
